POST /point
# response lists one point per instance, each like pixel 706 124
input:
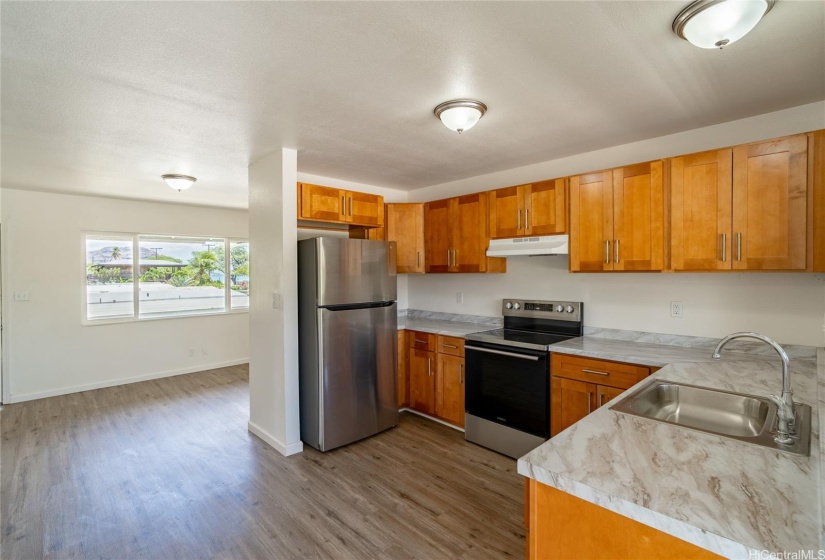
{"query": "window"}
pixel 176 276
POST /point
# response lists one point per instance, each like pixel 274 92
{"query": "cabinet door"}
pixel 438 248
pixel 639 217
pixel 450 389
pixel 405 225
pixel 507 212
pixel 700 211
pixel 770 202
pixel 605 394
pixel 364 209
pixel 422 381
pixel 323 204
pixel 570 402
pixel 545 208
pixel 403 375
pixel 469 233
pixel 591 222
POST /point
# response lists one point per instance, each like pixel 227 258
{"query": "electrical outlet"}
pixel 459 297
pixel 276 300
pixel 191 352
pixel 21 296
pixel 676 309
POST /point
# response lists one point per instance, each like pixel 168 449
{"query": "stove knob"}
pixel 508 305
pixel 570 309
pixel 559 308
pixel 517 306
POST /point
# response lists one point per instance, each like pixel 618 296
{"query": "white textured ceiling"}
pixel 104 97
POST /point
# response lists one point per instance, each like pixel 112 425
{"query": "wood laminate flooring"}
pixel 167 469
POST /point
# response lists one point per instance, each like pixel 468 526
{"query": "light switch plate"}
pixel 21 296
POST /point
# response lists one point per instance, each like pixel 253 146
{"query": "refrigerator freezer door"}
pixel 358 373
pixel 354 271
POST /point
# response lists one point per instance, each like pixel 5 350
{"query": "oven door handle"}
pixel 503 353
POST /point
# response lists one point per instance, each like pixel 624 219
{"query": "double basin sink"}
pixel 745 418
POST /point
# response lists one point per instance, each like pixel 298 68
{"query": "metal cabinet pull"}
pixel 429 368
pixel 421 341
pixel 449 346
pixel 350 206
pixel 455 257
pixel 601 395
pixel 343 205
pixel 503 353
pixel 594 371
pixel 606 251
pixel 724 247
pixel 519 220
pixel 526 219
pixel 460 374
pixel 589 398
pixel 616 251
pixel 417 258
pixel 739 246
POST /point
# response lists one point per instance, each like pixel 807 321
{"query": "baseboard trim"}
pixel 122 381
pixel 433 418
pixel 284 449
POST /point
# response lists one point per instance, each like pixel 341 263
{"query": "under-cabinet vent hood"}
pixel 529 246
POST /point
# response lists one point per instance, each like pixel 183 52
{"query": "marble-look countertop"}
pixel 440 326
pixel 721 494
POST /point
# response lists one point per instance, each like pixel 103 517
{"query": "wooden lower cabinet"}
pixel 578 386
pixel 435 365
pixel 562 526
pixel 449 403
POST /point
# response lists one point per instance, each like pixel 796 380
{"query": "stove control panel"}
pixel 562 310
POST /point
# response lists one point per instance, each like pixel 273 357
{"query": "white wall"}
pixel 789 307
pixel 47 350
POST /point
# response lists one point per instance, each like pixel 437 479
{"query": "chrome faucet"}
pixel 784 403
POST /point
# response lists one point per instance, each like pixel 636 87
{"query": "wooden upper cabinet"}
pixel 700 211
pixel 639 217
pixel 591 222
pixel 456 236
pixel 326 204
pixel 617 219
pixel 770 205
pixel 404 224
pixel 545 207
pixel 534 209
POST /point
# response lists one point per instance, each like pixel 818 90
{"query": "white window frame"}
pixel 135 240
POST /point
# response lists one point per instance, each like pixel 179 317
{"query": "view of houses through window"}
pixel 176 276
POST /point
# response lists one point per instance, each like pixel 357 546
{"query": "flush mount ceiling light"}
pixel 713 24
pixel 460 114
pixel 179 182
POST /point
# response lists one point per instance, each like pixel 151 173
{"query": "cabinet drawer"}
pixel 451 345
pixel 422 341
pixel 600 372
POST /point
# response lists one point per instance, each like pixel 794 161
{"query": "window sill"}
pixel 159 317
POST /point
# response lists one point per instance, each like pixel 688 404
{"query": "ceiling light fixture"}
pixel 179 182
pixel 460 114
pixel 713 24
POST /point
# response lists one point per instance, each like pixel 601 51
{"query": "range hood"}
pixel 529 246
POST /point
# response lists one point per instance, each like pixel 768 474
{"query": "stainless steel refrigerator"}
pixel 347 331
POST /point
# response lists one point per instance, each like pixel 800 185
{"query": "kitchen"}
pixel 787 305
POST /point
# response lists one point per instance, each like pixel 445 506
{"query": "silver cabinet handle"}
pixel 601 395
pixel 429 367
pixel 724 247
pixel 594 371
pixel 526 219
pixel 350 206
pixel 589 398
pixel 455 257
pixel 449 346
pixel 418 259
pixel 503 353
pixel 343 205
pixel 449 264
pixel 519 220
pixel 616 251
pixel 421 341
pixel 606 251
pixel 460 374
pixel 739 246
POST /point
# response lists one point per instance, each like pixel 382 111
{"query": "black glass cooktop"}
pixel 519 338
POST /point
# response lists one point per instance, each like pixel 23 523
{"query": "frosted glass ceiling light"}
pixel 460 114
pixel 179 182
pixel 713 24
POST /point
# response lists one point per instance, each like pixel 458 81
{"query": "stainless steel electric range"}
pixel 508 374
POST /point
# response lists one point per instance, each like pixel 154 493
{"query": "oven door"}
pixel 509 386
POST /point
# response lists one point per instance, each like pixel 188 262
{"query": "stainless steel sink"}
pixel 742 417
